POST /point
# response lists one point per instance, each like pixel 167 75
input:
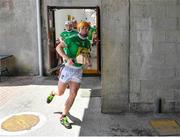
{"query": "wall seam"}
pixel 129 60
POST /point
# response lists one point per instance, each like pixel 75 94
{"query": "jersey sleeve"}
pixel 62 35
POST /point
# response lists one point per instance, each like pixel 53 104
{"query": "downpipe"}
pixel 39 37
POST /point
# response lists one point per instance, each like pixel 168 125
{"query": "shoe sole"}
pixel 68 127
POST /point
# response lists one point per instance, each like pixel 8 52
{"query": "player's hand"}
pixel 89 63
pixel 70 61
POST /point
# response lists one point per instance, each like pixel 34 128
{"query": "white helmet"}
pixel 68 22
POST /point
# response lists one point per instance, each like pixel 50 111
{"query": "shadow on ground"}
pixel 75 120
pixel 87 82
pixel 95 123
pixel 29 80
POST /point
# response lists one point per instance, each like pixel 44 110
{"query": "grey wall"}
pixel 154 55
pixel 115 55
pixel 18 34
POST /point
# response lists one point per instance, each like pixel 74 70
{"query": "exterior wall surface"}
pixel 154 55
pixel 18 35
pixel 115 55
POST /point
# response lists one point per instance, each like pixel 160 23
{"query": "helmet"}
pixel 82 24
pixel 68 22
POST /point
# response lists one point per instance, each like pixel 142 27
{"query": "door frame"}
pixel 52 34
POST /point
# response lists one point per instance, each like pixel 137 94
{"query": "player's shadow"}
pixel 75 120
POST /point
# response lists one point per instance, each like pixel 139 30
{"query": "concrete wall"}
pixel 115 55
pixel 18 35
pixel 154 55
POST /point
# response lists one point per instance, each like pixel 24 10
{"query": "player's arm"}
pixel 60 51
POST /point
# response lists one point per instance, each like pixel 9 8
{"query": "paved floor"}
pixel 28 94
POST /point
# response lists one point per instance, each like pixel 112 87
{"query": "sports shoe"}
pixel 65 123
pixel 50 98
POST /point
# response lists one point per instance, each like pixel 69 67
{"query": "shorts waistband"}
pixel 73 67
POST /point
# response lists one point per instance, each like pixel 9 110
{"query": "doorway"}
pixel 57 16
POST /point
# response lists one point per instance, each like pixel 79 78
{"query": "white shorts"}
pixel 71 74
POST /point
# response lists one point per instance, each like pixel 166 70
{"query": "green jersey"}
pixel 66 34
pixel 76 45
pixel 91 31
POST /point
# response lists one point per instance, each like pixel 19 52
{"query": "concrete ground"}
pixel 28 94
